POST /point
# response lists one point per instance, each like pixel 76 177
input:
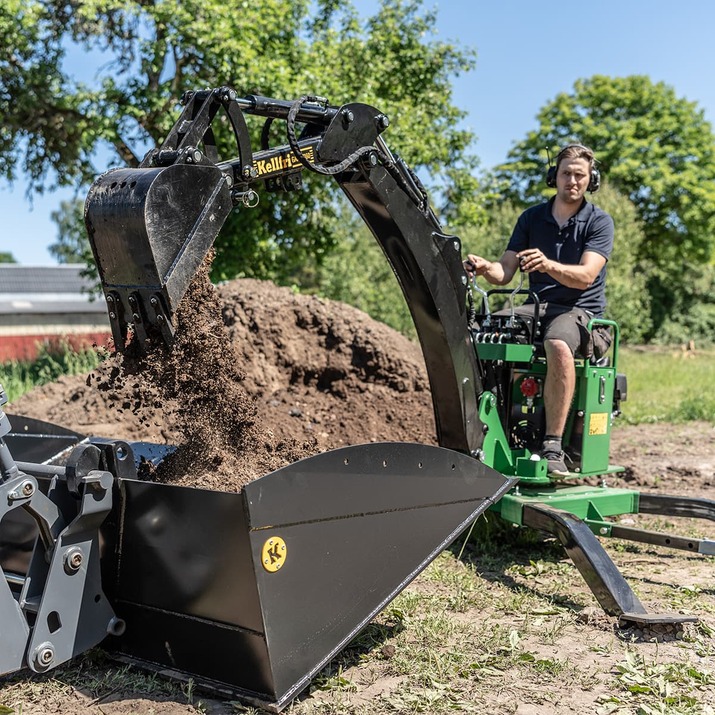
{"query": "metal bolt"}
pixel 153 300
pixel 197 155
pixel 110 299
pixel 603 531
pixel 456 245
pixel 160 318
pixel 112 314
pixel 348 116
pixel 43 656
pixel 22 491
pixel 136 317
pixel 116 627
pixel 74 559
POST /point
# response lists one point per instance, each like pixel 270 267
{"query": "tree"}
pixel 151 51
pixel 627 298
pixel 72 244
pixel 653 147
pixel 358 273
pixel 7 257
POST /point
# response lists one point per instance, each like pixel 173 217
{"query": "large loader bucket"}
pixel 252 593
pixel 150 229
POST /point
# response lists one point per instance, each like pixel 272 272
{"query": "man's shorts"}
pixel 561 322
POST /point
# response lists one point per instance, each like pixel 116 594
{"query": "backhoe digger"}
pixel 252 593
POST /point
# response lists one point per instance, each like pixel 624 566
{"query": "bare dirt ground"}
pixel 507 627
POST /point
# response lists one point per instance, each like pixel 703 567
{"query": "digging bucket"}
pixel 150 229
pixel 250 594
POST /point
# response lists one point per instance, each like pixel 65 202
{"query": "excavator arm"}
pixel 252 593
pixel 150 227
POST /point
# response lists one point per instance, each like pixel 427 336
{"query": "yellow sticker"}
pixel 283 162
pixel 598 424
pixel 273 555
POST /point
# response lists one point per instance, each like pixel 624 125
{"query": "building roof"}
pixel 15 278
pixel 47 289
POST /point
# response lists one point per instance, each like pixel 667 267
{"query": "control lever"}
pixel 515 292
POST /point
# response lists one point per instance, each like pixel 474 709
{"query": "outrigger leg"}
pixel 598 570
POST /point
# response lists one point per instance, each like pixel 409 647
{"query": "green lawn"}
pixel 668 384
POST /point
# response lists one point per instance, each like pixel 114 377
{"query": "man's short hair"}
pixel 576 151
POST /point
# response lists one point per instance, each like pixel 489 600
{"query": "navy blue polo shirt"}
pixel 590 229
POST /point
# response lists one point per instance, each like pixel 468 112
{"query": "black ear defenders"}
pixel 594 182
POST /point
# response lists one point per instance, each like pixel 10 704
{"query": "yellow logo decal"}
pixel 283 162
pixel 274 553
pixel 598 424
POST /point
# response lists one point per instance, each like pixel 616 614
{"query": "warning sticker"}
pixel 598 424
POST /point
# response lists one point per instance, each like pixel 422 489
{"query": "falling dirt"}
pixel 196 390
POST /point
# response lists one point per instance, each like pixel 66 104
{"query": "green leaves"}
pixel 149 53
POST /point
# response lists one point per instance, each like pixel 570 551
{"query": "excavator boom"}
pixel 151 227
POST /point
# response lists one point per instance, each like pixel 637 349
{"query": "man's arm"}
pixel 579 276
pixel 495 272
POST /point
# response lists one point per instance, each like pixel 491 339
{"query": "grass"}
pixel 456 640
pixel 501 643
pixel 53 361
pixel 667 384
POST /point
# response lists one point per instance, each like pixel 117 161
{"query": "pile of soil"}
pixel 258 377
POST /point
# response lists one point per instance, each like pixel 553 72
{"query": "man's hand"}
pixel 580 276
pixel 476 265
pixel 532 259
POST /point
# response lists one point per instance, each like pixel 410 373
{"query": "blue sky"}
pixel 527 52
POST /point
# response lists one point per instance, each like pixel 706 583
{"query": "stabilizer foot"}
pixel 653 619
pixel 598 570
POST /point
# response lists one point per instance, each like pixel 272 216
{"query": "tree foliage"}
pixel 358 273
pixel 150 51
pixel 657 150
pixel 72 245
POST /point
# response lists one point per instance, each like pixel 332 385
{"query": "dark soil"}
pixel 258 377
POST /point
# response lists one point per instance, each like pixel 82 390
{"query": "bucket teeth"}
pixel 150 229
